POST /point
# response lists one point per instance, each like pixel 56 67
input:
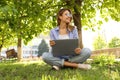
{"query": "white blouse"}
pixel 64 36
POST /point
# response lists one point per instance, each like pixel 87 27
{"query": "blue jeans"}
pixel 51 60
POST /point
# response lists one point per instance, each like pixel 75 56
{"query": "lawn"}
pixel 40 71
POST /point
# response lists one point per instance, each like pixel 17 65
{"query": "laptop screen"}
pixel 64 47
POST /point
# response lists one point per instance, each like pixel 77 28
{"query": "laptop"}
pixel 65 47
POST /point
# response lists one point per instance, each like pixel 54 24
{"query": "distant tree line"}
pixel 100 43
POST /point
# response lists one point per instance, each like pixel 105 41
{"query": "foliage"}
pixel 104 60
pixel 43 47
pixel 111 7
pixel 103 9
pixel 26 18
pixel 115 42
pixel 99 43
pixel 6 36
pixel 40 71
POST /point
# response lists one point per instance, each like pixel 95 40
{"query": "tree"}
pixel 43 47
pixel 85 11
pixel 25 18
pixel 115 42
pixel 99 43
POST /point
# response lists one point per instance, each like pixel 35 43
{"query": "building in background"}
pixel 28 51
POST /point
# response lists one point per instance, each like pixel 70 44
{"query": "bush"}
pixel 99 43
pixel 115 42
pixel 43 47
pixel 103 59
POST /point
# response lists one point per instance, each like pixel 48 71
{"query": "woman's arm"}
pixel 51 35
pixel 51 42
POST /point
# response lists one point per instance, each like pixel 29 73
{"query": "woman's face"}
pixel 66 17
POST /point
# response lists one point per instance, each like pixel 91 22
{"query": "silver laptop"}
pixel 64 47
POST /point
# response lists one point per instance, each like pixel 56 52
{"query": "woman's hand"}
pixel 77 50
pixel 52 42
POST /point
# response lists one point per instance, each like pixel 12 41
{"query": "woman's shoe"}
pixel 84 66
pixel 55 68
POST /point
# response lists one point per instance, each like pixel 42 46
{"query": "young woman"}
pixel 65 31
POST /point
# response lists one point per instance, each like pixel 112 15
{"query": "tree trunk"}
pixel 77 20
pixel 0 49
pixel 19 48
pixel 2 43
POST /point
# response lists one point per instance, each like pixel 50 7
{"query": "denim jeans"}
pixel 51 60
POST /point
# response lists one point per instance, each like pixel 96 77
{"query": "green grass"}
pixel 41 71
